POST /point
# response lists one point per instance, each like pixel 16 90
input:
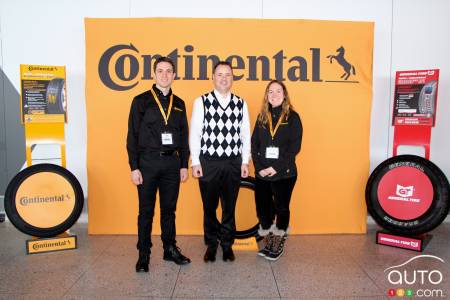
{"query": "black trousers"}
pixel 272 200
pixel 221 180
pixel 159 173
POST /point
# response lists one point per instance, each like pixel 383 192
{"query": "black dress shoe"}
pixel 173 254
pixel 210 254
pixel 143 261
pixel 228 254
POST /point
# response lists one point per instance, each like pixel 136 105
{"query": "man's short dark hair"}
pixel 164 59
pixel 222 63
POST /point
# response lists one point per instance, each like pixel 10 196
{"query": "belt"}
pixel 156 154
pixel 168 153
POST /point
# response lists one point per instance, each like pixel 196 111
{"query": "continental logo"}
pixel 40 246
pixel 129 66
pixel 42 68
pixel 24 201
pixel 52 244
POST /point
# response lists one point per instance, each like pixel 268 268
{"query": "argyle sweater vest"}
pixel 221 127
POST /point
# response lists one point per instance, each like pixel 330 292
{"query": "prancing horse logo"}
pixel 348 68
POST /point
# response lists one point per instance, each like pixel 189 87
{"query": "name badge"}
pixel 166 138
pixel 272 152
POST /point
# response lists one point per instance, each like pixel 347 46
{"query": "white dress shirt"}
pixel 196 128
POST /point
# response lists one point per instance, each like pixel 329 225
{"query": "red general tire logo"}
pixel 405 193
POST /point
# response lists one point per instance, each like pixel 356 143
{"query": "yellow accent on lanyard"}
pixel 166 118
pixel 273 131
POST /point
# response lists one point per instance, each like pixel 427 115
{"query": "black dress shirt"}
pixel 146 124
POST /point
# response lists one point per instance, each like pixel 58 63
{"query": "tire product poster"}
pixel 408 195
pixel 44 200
pixel 415 97
pixel 326 65
pixel 43 94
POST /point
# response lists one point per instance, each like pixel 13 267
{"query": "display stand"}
pixel 248 244
pixel 44 200
pixel 64 241
pixel 415 243
pixel 35 133
pixel 414 114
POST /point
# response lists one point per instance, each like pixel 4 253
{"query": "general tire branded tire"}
pixel 427 98
pixel 248 183
pixel 55 96
pixel 67 200
pixel 408 195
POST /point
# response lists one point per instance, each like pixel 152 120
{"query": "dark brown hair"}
pixel 222 63
pixel 164 59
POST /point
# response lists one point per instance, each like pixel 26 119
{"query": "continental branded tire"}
pixel 44 200
pixel 408 195
pixel 56 96
pixel 247 183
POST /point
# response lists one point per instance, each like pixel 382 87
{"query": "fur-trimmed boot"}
pixel 277 247
pixel 267 236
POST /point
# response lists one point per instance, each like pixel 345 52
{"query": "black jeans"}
pixel 221 179
pixel 272 200
pixel 163 174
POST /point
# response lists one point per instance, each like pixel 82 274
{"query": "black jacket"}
pixel 288 139
pixel 146 123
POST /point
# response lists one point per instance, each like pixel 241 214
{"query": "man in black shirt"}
pixel 158 153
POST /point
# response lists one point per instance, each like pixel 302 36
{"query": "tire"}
pixel 248 183
pixel 55 96
pixel 13 211
pixel 408 195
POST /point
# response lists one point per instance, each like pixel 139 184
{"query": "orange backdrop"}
pixel 334 161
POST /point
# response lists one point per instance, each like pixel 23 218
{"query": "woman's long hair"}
pixel 286 106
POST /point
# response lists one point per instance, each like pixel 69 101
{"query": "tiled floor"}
pixel 313 267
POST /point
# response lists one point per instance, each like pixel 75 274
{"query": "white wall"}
pixel 420 41
pixel 52 32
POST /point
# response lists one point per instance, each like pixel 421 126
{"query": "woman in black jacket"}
pixel 276 140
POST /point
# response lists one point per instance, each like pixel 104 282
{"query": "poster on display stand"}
pixel 415 97
pixel 43 94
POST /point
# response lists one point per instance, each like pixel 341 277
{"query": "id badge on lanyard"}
pixel 166 138
pixel 272 152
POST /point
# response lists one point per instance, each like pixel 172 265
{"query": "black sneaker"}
pixel 173 253
pixel 267 244
pixel 277 248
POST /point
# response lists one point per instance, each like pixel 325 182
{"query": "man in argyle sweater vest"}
pixel 220 149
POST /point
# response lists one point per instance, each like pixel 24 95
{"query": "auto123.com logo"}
pixel 413 279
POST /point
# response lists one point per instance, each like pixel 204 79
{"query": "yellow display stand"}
pixel 47 133
pixel 64 241
pixel 248 244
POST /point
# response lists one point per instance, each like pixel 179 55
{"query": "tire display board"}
pixel 44 200
pixel 415 97
pixel 408 195
pixel 43 94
